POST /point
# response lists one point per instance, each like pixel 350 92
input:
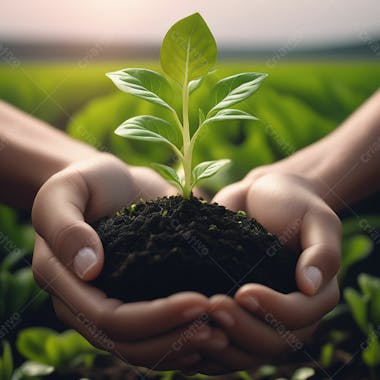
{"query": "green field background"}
pixel 298 103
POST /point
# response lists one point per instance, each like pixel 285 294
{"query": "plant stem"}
pixel 187 146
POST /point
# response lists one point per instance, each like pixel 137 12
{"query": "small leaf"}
pixel 371 355
pixel 230 114
pixel 358 307
pixel 327 355
pixel 236 88
pixel 194 84
pixel 6 361
pixel 303 373
pixel 188 50
pixel 33 369
pixel 370 287
pixel 148 128
pixel 169 174
pixel 354 249
pixel 31 343
pixel 201 116
pixel 207 169
pixel 145 84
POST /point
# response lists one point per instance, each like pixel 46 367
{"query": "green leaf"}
pixel 23 288
pixel 370 287
pixel 235 89
pixel 266 370
pixel 6 361
pixel 194 84
pixel 33 369
pixel 230 114
pixel 355 249
pixel 148 128
pixel 188 50
pixel 145 84
pixel 169 174
pixel 202 116
pixel 303 373
pixel 31 343
pixel 207 169
pixel 371 355
pixel 327 355
pixel 358 307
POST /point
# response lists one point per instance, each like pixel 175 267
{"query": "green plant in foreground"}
pixel 188 55
pixel 365 310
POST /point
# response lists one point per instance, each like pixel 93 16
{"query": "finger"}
pixel 172 345
pixel 97 187
pixel 233 196
pixel 156 352
pixel 321 243
pixel 123 321
pixel 274 307
pixel 248 333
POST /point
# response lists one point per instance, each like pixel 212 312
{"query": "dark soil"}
pixel 157 248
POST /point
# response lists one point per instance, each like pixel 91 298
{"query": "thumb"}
pixel 58 217
pixel 321 244
pixel 233 196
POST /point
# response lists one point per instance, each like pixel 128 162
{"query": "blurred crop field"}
pixel 298 103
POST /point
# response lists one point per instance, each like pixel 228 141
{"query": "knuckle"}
pixel 332 256
pixel 99 319
pixel 63 235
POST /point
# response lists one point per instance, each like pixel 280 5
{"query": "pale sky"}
pixel 242 22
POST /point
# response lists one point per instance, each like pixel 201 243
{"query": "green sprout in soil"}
pixel 188 55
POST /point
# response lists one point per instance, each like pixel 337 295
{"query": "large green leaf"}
pixel 145 84
pixel 208 169
pixel 235 89
pixel 169 174
pixel 188 50
pixel 230 114
pixel 148 128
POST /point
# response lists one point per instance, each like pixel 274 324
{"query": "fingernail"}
pixel 85 259
pixel 218 343
pixel 223 318
pixel 251 303
pixel 314 276
pixel 194 312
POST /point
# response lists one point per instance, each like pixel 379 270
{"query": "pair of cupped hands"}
pixel 185 331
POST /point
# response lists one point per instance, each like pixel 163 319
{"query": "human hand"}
pixel 162 334
pixel 260 322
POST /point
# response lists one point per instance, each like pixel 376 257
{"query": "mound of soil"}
pixel 157 248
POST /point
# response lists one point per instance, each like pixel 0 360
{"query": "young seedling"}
pixel 182 237
pixel 188 55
